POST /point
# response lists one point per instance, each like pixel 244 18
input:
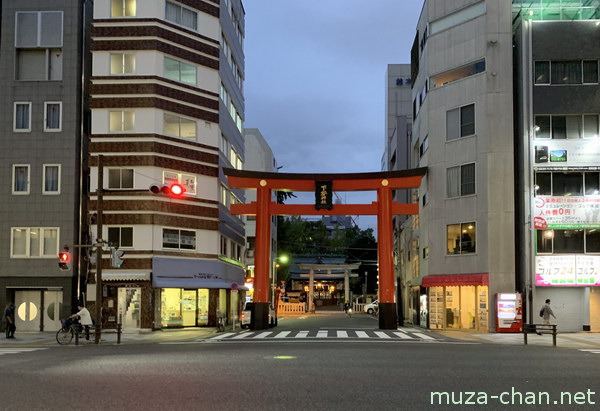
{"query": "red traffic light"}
pixel 177 189
pixel 173 190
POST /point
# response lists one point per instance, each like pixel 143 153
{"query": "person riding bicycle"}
pixel 85 319
pixel 347 307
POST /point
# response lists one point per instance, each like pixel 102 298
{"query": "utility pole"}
pixel 99 192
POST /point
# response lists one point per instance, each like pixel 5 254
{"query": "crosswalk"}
pixel 8 351
pixel 590 350
pixel 388 335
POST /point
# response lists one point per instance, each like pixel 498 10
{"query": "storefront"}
pixel 191 293
pixel 458 302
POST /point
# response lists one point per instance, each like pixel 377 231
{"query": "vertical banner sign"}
pixel 323 195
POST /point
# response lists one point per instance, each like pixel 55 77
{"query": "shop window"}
pixel 179 239
pixel 461 238
pixel 567 184
pixel 592 183
pixel 592 240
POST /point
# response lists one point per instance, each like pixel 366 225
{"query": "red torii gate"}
pixel 384 208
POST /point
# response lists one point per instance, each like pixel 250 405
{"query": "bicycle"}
pixel 65 335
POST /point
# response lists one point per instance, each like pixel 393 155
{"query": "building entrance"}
pixel 323 185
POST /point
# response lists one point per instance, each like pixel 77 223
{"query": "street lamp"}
pixel 282 259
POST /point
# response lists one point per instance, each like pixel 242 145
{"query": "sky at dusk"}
pixel 315 80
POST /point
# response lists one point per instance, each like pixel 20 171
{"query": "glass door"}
pixel 467 307
pixel 202 307
pixel 52 308
pixel 27 310
pixel 188 307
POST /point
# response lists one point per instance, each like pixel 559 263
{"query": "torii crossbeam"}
pixel 384 208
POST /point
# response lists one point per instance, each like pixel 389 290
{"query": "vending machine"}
pixel 509 313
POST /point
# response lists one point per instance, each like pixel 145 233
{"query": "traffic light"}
pixel 64 260
pixel 174 190
pixel 116 259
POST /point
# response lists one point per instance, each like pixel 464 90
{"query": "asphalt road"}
pixel 331 373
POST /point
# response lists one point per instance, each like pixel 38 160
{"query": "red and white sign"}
pixel 566 212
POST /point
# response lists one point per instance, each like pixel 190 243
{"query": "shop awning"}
pixel 454 279
pixel 125 276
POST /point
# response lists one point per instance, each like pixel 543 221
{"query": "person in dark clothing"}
pixel 9 318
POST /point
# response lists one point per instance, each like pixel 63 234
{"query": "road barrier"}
pixel 540 329
pixel 290 308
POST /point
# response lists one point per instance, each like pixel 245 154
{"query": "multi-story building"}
pixel 506 118
pixel 167 107
pixel 42 60
pixel 397 151
pixel 462 92
pixel 557 108
pixel 259 157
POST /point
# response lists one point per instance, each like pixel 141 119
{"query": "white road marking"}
pixel 362 334
pixel 342 334
pixel 322 334
pixel 423 336
pixel 301 334
pixel 263 334
pixel 282 334
pixel 242 335
pixel 403 335
pixel 381 334
pixel 218 337
pixel 7 351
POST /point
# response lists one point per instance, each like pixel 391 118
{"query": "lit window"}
pixel 179 126
pixel 180 71
pixel 461 238
pixel 123 8
pixel 122 63
pixel 188 181
pixel 456 74
pixel 121 121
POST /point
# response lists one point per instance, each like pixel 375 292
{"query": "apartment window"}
pixel 224 195
pixel 22 120
pixel 38 43
pixel 180 71
pixel 120 236
pixel 122 63
pixel 51 179
pixel 566 72
pixel 179 126
pixel 121 121
pixel 590 72
pixel 425 253
pixel 123 8
pixel 20 182
pixel 461 238
pixel 459 73
pixel 460 180
pixel 566 127
pixel 34 242
pixel 424 146
pixel 120 178
pixel 179 239
pixel 224 246
pixel 567 184
pixel 52 116
pixel 181 16
pixel 460 122
pixel 188 181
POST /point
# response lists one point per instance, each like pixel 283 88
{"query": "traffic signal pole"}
pixel 99 192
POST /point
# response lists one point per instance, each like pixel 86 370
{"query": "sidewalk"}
pixel 565 340
pixel 110 337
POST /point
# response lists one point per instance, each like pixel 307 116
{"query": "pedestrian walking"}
pixel 9 318
pixel 546 312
